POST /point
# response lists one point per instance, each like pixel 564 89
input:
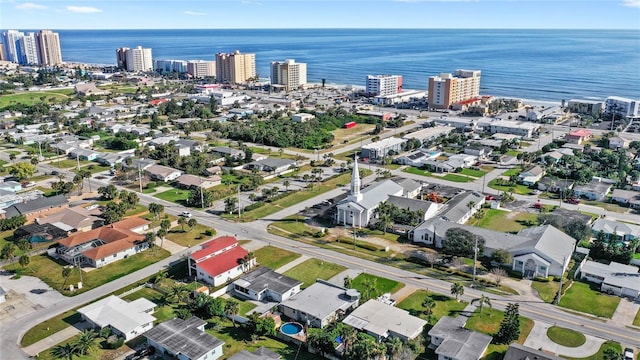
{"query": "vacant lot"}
pixel 178 196
pixel 274 257
pixel 189 237
pixel 311 270
pixel 489 322
pixel 581 297
pixel 380 285
pixel 445 306
pixel 356 132
pixel 506 221
pixel 31 98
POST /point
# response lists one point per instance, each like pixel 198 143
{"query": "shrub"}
pixel 114 342
pixel 370 247
pixel 254 206
pixel 541 279
pixel 209 232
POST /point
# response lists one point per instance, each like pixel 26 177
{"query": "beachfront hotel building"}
pixel 620 106
pixel 288 74
pixel 49 52
pixel 201 68
pixel 27 50
pixel 121 57
pixel 383 85
pixel 137 59
pixel 10 42
pixel 235 68
pixel 448 89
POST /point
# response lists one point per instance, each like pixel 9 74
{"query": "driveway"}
pixel 538 339
pixel 625 312
pixel 24 296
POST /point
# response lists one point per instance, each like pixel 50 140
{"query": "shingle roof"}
pixel 183 337
pixel 459 343
pixel 319 300
pixel 381 319
pixel 412 204
pixel 264 278
pixel 456 208
pixel 122 315
pixel 521 352
pixel 35 205
pixel 611 226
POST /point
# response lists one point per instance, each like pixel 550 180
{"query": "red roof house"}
pixel 219 261
pixel 579 136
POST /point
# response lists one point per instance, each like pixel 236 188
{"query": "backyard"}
pixel 445 306
pixel 189 237
pixel 505 221
pixel 489 322
pixel 274 257
pixel 311 270
pixel 380 285
pixel 581 297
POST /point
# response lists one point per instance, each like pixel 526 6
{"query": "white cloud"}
pixel 83 9
pixel 195 13
pixel 631 3
pixel 30 6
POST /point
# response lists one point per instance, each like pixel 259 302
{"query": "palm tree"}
pixel 232 309
pixel 348 335
pixel 86 341
pixel 286 184
pixel 178 293
pixel 150 240
pixel 161 234
pixel 160 275
pixel 457 289
pixel 24 260
pixel 348 282
pixel 482 301
pixel 66 272
pixel 428 304
pixel 394 348
pixel 192 223
pixel 66 351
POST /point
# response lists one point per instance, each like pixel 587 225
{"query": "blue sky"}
pixel 169 14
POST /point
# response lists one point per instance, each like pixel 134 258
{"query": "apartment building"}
pixel 383 85
pixel 235 68
pixel 48 44
pixel 201 68
pixel 10 42
pixel 622 106
pixel 28 50
pixel 121 57
pixel 448 89
pixel 289 74
pixel 139 59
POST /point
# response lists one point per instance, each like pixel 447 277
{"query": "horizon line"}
pixel 327 28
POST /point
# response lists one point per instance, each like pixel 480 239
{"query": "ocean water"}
pixel 548 65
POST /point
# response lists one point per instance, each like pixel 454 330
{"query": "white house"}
pixel 373 317
pixel 127 319
pixel 265 284
pixel 163 173
pixel 596 189
pixel 453 342
pixel 614 278
pixel 219 260
pixel 184 340
pixel 302 117
pixel 531 175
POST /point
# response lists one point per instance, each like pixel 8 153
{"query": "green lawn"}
pixel 137 210
pixel 417 171
pixel 69 163
pixel 600 354
pixel 299 196
pixel 566 337
pixel 50 327
pixel 517 188
pixel 546 290
pixel 48 191
pixel 445 306
pixel 50 271
pixel 178 196
pixel 581 297
pixel 382 285
pixel 236 338
pixel 474 173
pixel 95 168
pixel 40 178
pixel 515 171
pixel 31 98
pixel 636 321
pixel 274 257
pixel 189 237
pixel 312 269
pixel 489 322
pixel 458 178
pixel 506 221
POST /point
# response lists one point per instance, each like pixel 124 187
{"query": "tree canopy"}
pixel 460 242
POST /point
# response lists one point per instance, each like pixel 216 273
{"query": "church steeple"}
pixel 355 181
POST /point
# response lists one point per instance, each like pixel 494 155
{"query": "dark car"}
pixel 573 201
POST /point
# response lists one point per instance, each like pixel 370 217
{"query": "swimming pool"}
pixel 291 328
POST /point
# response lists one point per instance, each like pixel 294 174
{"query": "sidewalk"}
pixel 292 264
pixel 56 338
pixel 625 312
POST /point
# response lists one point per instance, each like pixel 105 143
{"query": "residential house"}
pixel 596 189
pixel 615 230
pixel 320 304
pixel 36 233
pixel 411 187
pixel 416 159
pixel 12 186
pixel 613 278
pixel 264 284
pixel 555 185
pixel 460 208
pixel 83 154
pixel 227 151
pixel 579 136
pixel 104 245
pixel 162 173
pixel 73 219
pixel 141 164
pixel 453 342
pixel 273 165
pixel 538 251
pixel 626 198
pixel 429 133
pixel 477 150
pixel 531 175
pixel 185 147
pixel 260 353
pixel 302 117
pixel 184 340
pixel 552 157
pixel 214 170
pixel 124 318
pixel 219 260
pixel 451 164
pixel 35 208
pixel 111 159
pixel 428 208
pixel 373 317
pixel 617 142
pixel 521 352
pixel 188 181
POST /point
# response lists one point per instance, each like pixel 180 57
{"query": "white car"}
pixel 628 354
pixel 186 214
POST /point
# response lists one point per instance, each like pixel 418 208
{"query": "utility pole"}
pixel 564 259
pixel 239 207
pixel 475 260
pixel 140 177
pixel 201 194
pixel 78 160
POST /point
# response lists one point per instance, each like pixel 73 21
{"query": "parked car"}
pixel 628 354
pixel 186 214
pixel 489 198
pixel 573 201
